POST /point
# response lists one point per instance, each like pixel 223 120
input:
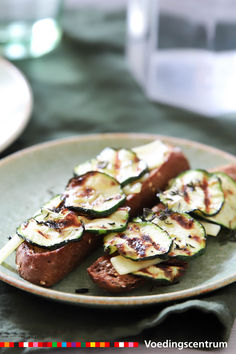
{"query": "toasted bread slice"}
pixel 46 268
pixel 106 277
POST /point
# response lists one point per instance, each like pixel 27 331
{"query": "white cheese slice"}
pixel 133 188
pixel 10 247
pixel 211 229
pixel 136 186
pixel 153 154
pixel 125 266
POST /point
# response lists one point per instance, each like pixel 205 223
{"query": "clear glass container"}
pixel 183 52
pixel 29 28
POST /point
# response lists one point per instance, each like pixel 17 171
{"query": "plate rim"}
pixel 98 301
pixel 29 108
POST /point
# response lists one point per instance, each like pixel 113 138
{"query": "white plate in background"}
pixel 15 103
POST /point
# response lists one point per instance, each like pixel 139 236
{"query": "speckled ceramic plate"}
pixel 30 177
pixel 16 103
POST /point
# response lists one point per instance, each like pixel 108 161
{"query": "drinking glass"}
pixel 29 28
pixel 183 52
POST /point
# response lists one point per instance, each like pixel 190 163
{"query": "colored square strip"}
pixel 126 344
pixel 68 344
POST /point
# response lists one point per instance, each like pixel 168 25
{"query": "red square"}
pixel 1 344
pixel 78 344
pixel 20 344
pixel 68 344
pixel 30 344
pixel 107 344
pixel 135 344
pixel 58 344
pixel 126 344
pixel 11 344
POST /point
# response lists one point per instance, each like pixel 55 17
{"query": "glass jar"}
pixel 183 52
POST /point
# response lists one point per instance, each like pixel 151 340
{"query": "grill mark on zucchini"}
pixel 134 243
pixel 139 244
pixel 140 241
pixel 207 200
pixel 58 209
pixel 163 272
pixel 194 190
pixel 55 204
pixel 117 161
pixel 183 230
pixel 187 224
pixel 80 180
pixel 42 234
pixel 121 164
pixel 196 238
pixel 147 238
pixel 94 193
pixel 71 219
pixel 56 224
pixel 185 193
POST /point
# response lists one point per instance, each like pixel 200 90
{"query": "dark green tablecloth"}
pixel 84 87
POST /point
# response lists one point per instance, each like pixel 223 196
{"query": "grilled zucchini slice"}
pixel 94 193
pixel 52 230
pixel 188 235
pixel 141 241
pixel 121 164
pixel 115 222
pixel 227 215
pixel 162 273
pixel 194 190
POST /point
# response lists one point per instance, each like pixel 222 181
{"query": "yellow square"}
pixel 92 344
